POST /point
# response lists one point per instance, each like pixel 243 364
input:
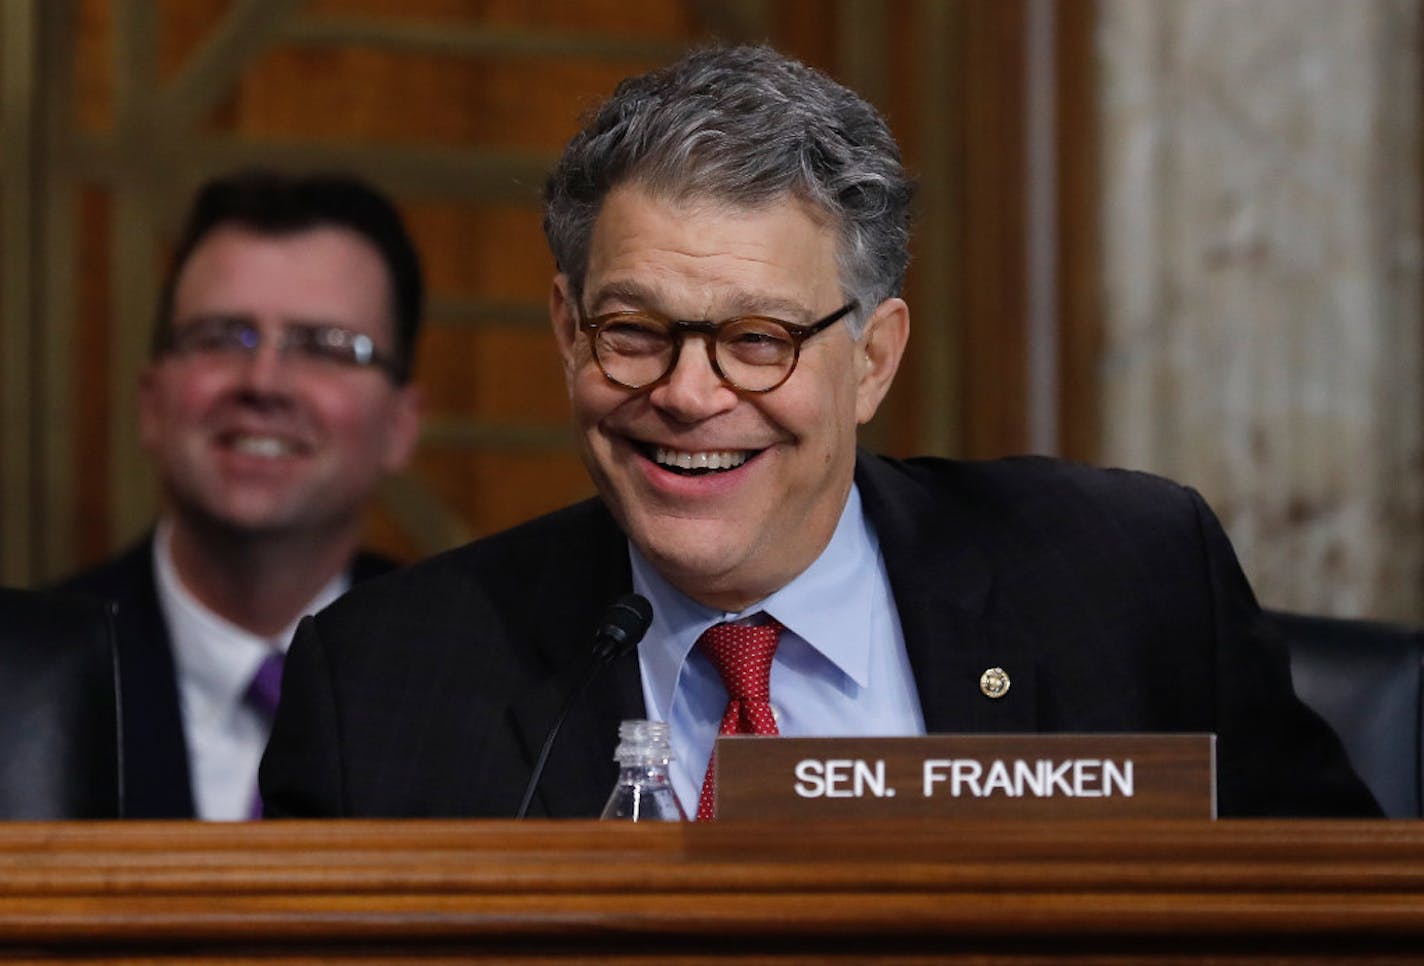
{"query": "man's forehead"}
pixel 726 300
pixel 675 204
pixel 649 248
pixel 346 280
pixel 689 201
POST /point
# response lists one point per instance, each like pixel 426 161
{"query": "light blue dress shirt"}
pixel 840 668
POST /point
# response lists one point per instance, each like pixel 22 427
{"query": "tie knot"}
pixel 266 685
pixel 742 654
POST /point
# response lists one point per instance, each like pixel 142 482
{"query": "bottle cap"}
pixel 643 742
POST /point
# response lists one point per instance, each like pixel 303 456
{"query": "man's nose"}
pixel 265 368
pixel 692 390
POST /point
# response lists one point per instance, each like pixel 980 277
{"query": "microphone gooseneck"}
pixel 623 625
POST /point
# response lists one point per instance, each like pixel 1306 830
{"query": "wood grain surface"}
pixel 908 891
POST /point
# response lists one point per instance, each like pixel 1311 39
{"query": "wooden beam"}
pixel 245 31
pixel 863 46
pixel 455 174
pixel 1080 252
pixel 132 255
pixel 459 433
pixel 56 510
pixel 990 202
pixel 937 325
pixel 475 313
pixel 448 39
pixel 18 92
pixel 736 21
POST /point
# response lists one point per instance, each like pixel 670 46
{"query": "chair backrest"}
pixel 59 708
pixel 1366 679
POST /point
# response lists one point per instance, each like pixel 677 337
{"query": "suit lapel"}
pixel 943 578
pixel 368 566
pixel 951 664
pixel 580 771
pixel 156 777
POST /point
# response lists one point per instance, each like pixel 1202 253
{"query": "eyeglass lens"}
pixel 751 353
pixel 322 343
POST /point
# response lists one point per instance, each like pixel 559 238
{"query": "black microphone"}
pixel 623 625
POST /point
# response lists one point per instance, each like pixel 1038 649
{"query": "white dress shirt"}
pixel 215 661
pixel 840 668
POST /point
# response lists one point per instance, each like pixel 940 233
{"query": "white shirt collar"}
pixel 216 658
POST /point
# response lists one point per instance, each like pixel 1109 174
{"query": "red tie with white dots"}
pixel 742 655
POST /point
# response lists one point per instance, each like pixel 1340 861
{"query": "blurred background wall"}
pixel 1177 235
pixel 1261 269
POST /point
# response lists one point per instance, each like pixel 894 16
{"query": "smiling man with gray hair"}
pixel 731 238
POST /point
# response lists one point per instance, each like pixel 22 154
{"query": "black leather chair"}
pixel 59 708
pixel 1366 679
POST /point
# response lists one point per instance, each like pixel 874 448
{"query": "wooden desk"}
pixel 1231 891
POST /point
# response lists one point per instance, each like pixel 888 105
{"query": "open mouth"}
pixel 261 445
pixel 698 462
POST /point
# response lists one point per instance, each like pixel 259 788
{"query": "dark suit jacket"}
pixel 59 717
pixel 157 783
pixel 1112 599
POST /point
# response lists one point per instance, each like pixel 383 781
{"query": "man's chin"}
pixel 702 569
pixel 248 518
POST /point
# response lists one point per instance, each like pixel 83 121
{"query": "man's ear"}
pixel 406 417
pixel 877 355
pixel 563 314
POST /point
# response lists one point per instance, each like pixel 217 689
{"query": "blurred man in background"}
pixel 277 398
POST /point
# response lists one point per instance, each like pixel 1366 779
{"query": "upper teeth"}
pixel 722 460
pixel 269 446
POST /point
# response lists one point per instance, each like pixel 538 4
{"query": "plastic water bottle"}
pixel 644 791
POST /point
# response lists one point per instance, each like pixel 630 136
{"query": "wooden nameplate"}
pixel 968 776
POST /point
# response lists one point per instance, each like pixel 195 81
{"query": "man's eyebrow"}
pixel 627 290
pixel 641 296
pixel 199 318
pixel 248 318
pixel 787 309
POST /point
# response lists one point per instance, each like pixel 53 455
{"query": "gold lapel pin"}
pixel 994 683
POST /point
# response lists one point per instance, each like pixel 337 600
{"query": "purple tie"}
pixel 262 694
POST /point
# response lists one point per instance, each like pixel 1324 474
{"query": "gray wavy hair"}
pixel 747 126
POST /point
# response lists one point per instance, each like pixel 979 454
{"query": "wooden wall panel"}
pixel 1080 291
pixel 93 389
pixel 991 230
